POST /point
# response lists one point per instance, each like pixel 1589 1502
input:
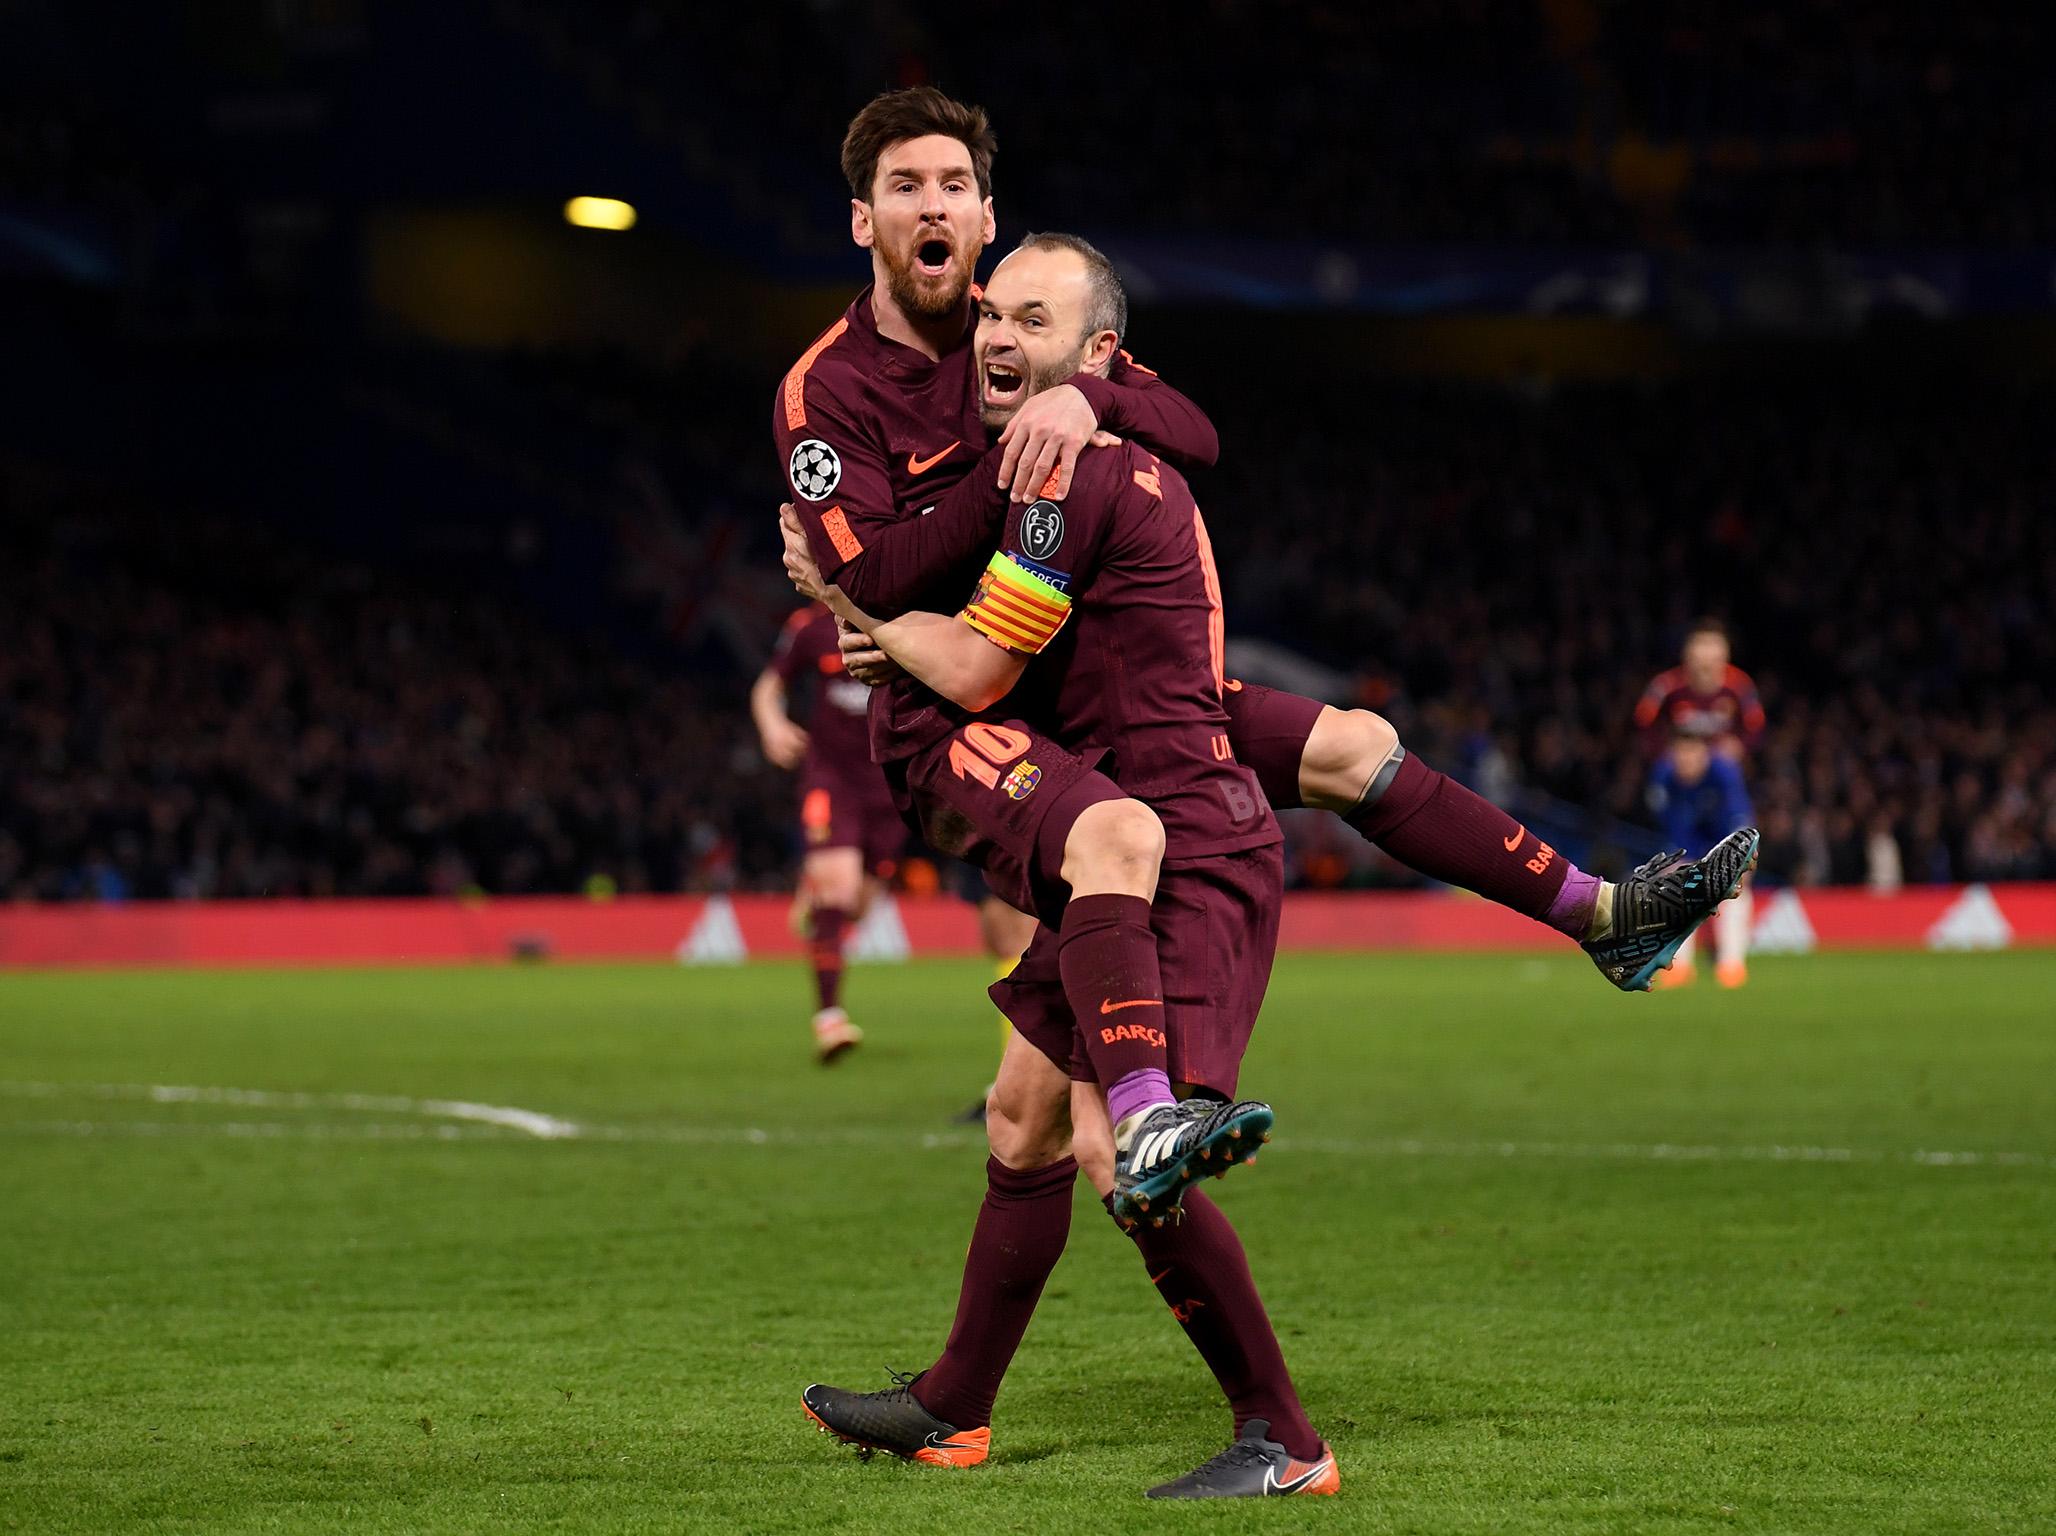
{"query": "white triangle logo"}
pixel 881 935
pixel 1973 921
pixel 716 939
pixel 1784 928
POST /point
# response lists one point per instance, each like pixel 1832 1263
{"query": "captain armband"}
pixel 1015 608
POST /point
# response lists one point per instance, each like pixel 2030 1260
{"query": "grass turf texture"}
pixel 308 1328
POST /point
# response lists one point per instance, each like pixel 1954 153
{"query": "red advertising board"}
pixel 696 929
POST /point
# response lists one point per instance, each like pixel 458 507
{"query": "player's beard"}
pixel 918 296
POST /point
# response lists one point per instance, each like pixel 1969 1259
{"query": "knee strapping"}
pixel 1386 754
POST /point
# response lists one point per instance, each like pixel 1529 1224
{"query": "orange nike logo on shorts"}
pixel 1108 1005
pixel 922 466
pixel 1511 843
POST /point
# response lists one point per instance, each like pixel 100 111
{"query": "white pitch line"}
pixel 245 1130
pixel 550 1128
pixel 528 1121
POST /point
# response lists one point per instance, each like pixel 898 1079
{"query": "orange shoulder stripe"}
pixel 796 381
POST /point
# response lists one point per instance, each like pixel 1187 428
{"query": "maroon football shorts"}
pixel 1216 922
pixel 851 810
pixel 1003 796
pixel 1268 731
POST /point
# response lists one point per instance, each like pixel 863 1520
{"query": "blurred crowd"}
pixel 197 704
pixel 1505 573
pixel 1665 122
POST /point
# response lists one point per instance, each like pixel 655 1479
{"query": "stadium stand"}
pixel 300 606
pixel 199 704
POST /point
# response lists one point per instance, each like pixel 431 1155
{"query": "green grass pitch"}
pixel 1544 1258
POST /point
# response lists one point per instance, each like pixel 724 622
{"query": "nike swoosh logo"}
pixel 1272 1484
pixel 1108 1005
pixel 1511 843
pixel 922 466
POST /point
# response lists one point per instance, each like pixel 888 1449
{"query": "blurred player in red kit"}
pixel 1101 621
pixel 1709 701
pixel 851 829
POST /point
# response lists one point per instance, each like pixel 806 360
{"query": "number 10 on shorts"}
pixel 980 750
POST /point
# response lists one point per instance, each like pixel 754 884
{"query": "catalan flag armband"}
pixel 1016 608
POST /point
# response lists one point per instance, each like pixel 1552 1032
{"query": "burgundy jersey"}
pixel 1670 706
pixel 873 435
pixel 807 649
pixel 1114 594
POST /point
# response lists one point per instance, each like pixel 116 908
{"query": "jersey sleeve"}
pixel 1649 717
pixel 787 662
pixel 845 500
pixel 1751 717
pixel 834 465
pixel 1133 402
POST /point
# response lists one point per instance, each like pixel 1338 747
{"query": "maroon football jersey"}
pixel 873 435
pixel 1670 706
pixel 1115 595
pixel 807 649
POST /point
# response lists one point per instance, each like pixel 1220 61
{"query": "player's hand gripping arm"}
pixel 854 530
pixel 951 657
pixel 975 659
pixel 864 661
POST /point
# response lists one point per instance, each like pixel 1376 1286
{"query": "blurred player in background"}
pixel 1699 795
pixel 852 832
pixel 1005 931
pixel 1700 721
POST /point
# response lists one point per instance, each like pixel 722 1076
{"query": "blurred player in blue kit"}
pixel 1699 722
pixel 1701 798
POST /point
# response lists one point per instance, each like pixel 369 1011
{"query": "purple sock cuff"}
pixel 1138 1091
pixel 1571 912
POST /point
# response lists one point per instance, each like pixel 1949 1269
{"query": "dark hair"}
pixel 914 113
pixel 1707 626
pixel 1109 309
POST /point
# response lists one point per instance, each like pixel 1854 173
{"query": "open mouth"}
pixel 1002 384
pixel 931 258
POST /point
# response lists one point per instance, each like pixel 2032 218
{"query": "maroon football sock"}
pixel 827 927
pixel 1431 823
pixel 1198 1266
pixel 1020 1235
pixel 1108 958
